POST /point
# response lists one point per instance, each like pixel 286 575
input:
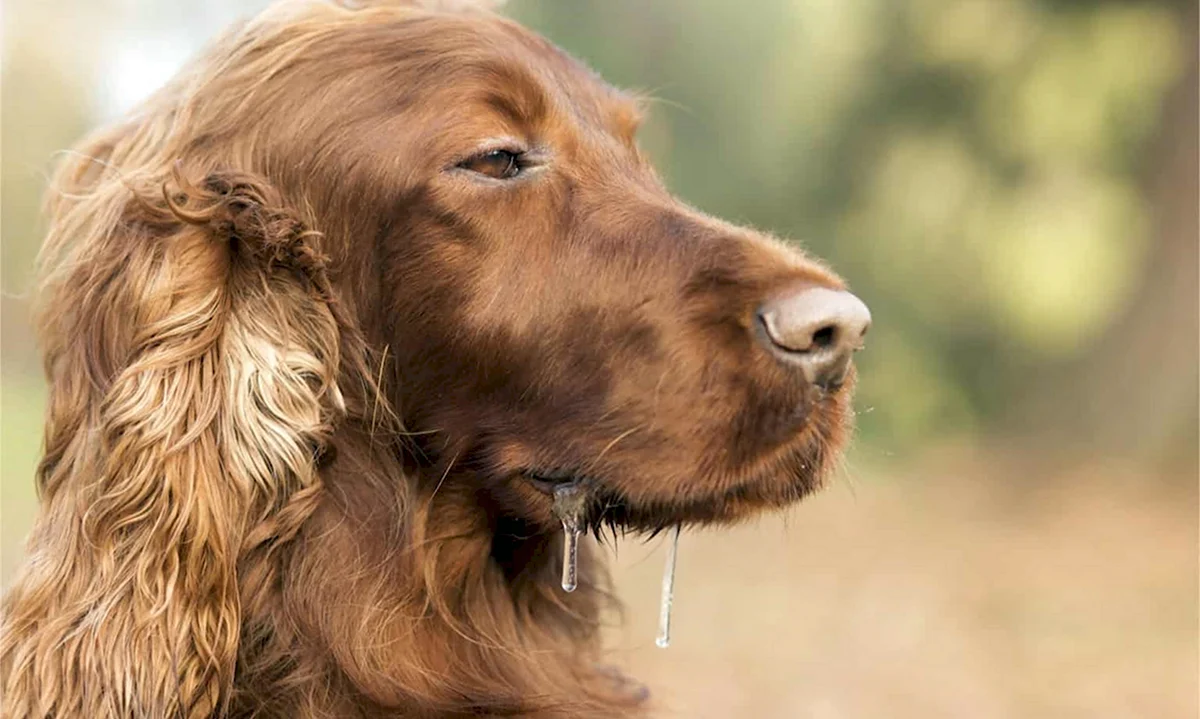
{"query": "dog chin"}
pixel 604 509
pixel 729 507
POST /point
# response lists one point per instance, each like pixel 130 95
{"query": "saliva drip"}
pixel 570 507
pixel 570 504
pixel 570 570
pixel 663 640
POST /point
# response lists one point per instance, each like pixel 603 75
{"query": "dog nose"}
pixel 817 329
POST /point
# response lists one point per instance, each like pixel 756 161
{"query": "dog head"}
pixel 552 313
pixel 337 216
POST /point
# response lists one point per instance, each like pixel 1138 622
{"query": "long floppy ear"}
pixel 192 351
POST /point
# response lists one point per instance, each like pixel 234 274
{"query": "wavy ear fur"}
pixel 192 350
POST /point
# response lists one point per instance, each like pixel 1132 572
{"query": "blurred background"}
pixel 1011 185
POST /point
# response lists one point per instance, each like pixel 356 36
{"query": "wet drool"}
pixel 663 640
pixel 570 505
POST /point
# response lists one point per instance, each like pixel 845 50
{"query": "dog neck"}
pixel 426 599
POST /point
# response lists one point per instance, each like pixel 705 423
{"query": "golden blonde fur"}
pixel 193 348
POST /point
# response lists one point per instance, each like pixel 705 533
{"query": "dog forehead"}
pixel 523 68
pixel 464 36
pixel 576 85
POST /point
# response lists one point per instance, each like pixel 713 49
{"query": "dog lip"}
pixel 547 481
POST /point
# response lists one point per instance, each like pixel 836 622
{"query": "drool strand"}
pixel 570 505
pixel 570 567
pixel 663 640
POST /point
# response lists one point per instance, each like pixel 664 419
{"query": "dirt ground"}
pixel 950 594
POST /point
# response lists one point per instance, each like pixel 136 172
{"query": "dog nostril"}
pixel 816 329
pixel 824 337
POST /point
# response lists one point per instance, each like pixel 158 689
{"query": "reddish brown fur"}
pixel 254 277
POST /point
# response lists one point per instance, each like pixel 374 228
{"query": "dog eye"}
pixel 498 164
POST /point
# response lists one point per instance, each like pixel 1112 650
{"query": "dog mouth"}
pixel 583 502
pixel 598 507
pixel 548 481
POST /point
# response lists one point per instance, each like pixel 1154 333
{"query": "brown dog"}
pixel 329 320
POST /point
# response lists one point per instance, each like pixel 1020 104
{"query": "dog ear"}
pixel 192 351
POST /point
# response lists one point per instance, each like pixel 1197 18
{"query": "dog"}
pixel 331 320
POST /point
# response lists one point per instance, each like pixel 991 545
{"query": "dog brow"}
pixel 512 109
